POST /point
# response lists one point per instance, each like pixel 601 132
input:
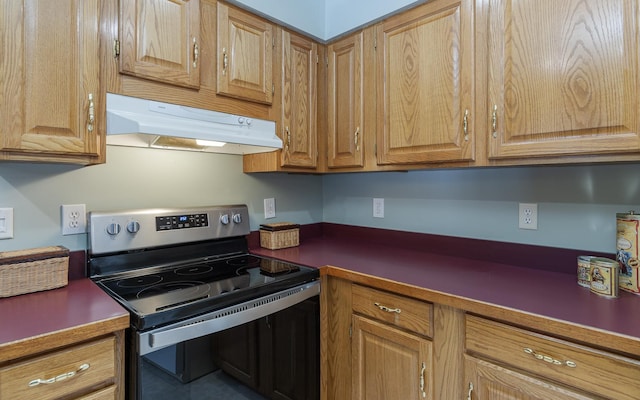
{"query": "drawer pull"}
pixel 387 309
pixel 549 359
pixel 470 392
pixel 60 377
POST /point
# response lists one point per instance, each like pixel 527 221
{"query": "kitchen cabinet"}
pixel 276 355
pixel 245 55
pixel 425 84
pixel 78 371
pixel 160 40
pixel 562 78
pixel 346 108
pixel 389 361
pixel 51 97
pixel 546 367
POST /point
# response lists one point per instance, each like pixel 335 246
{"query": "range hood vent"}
pixel 137 122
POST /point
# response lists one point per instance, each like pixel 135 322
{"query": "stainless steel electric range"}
pixel 190 284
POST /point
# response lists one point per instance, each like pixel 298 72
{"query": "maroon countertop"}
pixel 76 312
pixel 467 282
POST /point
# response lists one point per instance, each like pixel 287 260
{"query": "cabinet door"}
pixel 345 97
pixel 236 353
pixel 563 77
pixel 245 55
pixel 298 121
pixel 389 363
pixel 425 107
pixel 160 39
pixel 50 92
pixel 487 381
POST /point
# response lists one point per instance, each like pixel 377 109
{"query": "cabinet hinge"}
pixel 350 331
pixel 317 59
pixel 375 43
pixel 326 61
pixel 116 48
pixel 273 89
pixel 273 42
pixel 375 149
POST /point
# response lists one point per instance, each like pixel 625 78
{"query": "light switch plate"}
pixel 6 223
pixel 270 208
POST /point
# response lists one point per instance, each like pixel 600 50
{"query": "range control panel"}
pixel 128 230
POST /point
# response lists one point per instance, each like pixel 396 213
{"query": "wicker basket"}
pixel 279 235
pixel 33 270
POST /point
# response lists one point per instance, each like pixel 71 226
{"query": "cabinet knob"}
pixel 196 53
pixel 92 114
pixel 225 61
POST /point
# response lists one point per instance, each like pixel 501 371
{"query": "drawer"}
pixel 403 312
pixel 595 371
pixel 69 370
pixel 108 393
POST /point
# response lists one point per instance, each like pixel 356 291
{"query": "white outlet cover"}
pixel 378 208
pixel 73 219
pixel 6 223
pixel 528 216
pixel 269 208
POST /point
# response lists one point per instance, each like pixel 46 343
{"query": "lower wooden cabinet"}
pixel 85 371
pixel 548 367
pixel 277 355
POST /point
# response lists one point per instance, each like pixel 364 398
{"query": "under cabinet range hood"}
pixel 138 122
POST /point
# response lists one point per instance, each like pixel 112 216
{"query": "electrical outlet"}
pixel 6 223
pixel 378 208
pixel 270 208
pixel 74 219
pixel 528 216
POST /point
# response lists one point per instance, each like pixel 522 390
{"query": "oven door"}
pixel 267 348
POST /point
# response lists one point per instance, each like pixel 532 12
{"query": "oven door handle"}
pixel 226 318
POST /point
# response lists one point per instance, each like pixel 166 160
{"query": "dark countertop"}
pixel 541 299
pixel 58 317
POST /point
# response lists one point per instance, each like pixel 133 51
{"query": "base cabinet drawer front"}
pixel 403 312
pixel 595 371
pixel 487 381
pixel 62 373
pixel 108 393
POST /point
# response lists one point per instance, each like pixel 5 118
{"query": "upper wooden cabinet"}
pixel 425 84
pixel 345 96
pixel 245 55
pixel 160 40
pixel 298 102
pixel 562 77
pixel 51 99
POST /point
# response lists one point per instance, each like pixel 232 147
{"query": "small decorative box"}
pixel 33 270
pixel 279 235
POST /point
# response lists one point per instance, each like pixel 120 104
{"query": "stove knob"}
pixel 133 226
pixel 224 219
pixel 237 218
pixel 113 228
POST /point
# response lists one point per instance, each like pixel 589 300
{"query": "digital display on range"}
pixel 181 222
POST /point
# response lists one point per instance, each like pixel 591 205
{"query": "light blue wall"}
pixel 577 205
pixel 142 178
pixel 324 19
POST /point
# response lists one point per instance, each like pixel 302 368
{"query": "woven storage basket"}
pixel 33 270
pixel 279 235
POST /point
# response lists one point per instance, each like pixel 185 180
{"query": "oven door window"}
pixel 274 357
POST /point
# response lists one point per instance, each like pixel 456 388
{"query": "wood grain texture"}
pixel 50 66
pixel 157 39
pixel 425 85
pixel 563 76
pixel 448 350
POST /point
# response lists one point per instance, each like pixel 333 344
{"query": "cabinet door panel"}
pixel 491 382
pixel 50 70
pixel 389 363
pixel 425 85
pixel 245 55
pixel 299 101
pixel 345 96
pixel 563 77
pixel 160 40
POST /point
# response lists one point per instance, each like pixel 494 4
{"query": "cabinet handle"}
pixel 196 53
pixel 286 129
pixel 60 377
pixel 356 138
pixel 387 309
pixel 549 359
pixel 422 371
pixel 494 121
pixel 470 392
pixel 225 61
pixel 465 125
pixel 92 113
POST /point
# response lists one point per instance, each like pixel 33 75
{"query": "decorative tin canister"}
pixel 604 276
pixel 584 271
pixel 627 250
